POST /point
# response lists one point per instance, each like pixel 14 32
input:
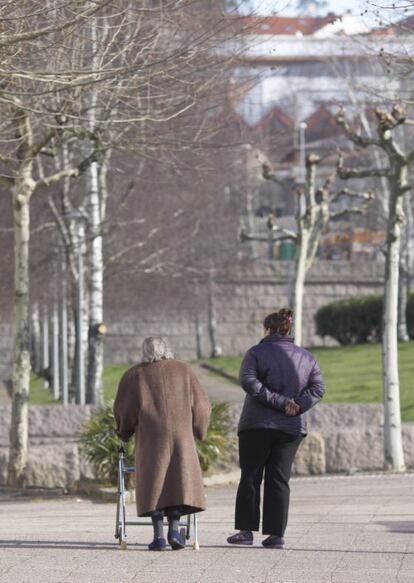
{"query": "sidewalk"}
pixel 341 530
pixel 217 388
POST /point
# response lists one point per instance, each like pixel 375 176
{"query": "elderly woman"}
pixel 162 402
pixel 282 382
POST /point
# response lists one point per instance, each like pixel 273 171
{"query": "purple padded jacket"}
pixel 272 372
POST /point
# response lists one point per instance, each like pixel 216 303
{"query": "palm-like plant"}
pixel 99 442
pixel 215 444
pixel 99 445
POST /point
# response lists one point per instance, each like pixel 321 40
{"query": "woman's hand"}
pixel 292 408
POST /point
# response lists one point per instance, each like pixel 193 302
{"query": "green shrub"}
pixel 215 444
pixel 99 442
pixel 99 445
pixel 357 320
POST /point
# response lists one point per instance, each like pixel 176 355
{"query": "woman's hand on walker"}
pixel 291 408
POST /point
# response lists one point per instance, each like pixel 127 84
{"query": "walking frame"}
pixel 121 521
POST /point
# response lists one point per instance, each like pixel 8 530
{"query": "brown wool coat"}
pixel 165 406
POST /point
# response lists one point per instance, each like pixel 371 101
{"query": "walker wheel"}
pixel 123 545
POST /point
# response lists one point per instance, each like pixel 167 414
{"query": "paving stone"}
pixel 71 540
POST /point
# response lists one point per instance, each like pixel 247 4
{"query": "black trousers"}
pixel 271 452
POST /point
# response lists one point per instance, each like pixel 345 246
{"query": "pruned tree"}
pixel 314 211
pixel 395 171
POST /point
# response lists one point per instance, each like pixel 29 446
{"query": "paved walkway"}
pixel 218 388
pixel 341 530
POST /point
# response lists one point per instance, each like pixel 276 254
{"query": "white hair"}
pixel 156 348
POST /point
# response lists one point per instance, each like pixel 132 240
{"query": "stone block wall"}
pixel 54 459
pixel 243 296
pixel 346 438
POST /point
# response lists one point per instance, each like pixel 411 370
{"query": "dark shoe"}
pixel 239 538
pixel 176 541
pixel 274 542
pixel 158 544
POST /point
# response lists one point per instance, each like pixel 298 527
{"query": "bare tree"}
pixel 398 161
pixel 76 89
pixel 315 209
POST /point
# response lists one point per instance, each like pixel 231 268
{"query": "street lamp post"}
pixel 302 163
pixel 302 150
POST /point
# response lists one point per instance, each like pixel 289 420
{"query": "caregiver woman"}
pixel 162 402
pixel 282 382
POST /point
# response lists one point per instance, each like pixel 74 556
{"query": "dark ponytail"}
pixel 279 322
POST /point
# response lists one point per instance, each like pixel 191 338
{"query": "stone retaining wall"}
pixel 54 459
pixel 342 438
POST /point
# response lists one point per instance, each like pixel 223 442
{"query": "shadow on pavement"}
pixel 84 545
pixel 307 550
pixel 402 526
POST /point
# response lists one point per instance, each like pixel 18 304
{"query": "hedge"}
pixel 357 320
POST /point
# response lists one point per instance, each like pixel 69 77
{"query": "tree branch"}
pixel 366 196
pixel 355 137
pixel 285 235
pixel 13 39
pixel 68 172
pixel 36 148
pixel 346 173
pixel 267 174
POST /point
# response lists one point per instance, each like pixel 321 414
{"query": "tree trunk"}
pixel 71 353
pixel 403 284
pixel 55 368
pixel 81 313
pixel 393 448
pixel 404 276
pixel 45 348
pixel 96 328
pixel 36 340
pixel 19 430
pixel 199 336
pixel 216 349
pixel 300 275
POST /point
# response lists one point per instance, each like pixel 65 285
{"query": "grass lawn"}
pixel 353 374
pixel 112 374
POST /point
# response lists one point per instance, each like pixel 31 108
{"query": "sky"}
pixel 371 11
pixel 337 6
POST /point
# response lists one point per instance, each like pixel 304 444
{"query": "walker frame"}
pixel 121 521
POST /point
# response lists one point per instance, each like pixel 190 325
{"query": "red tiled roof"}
pixel 283 25
pixel 277 114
